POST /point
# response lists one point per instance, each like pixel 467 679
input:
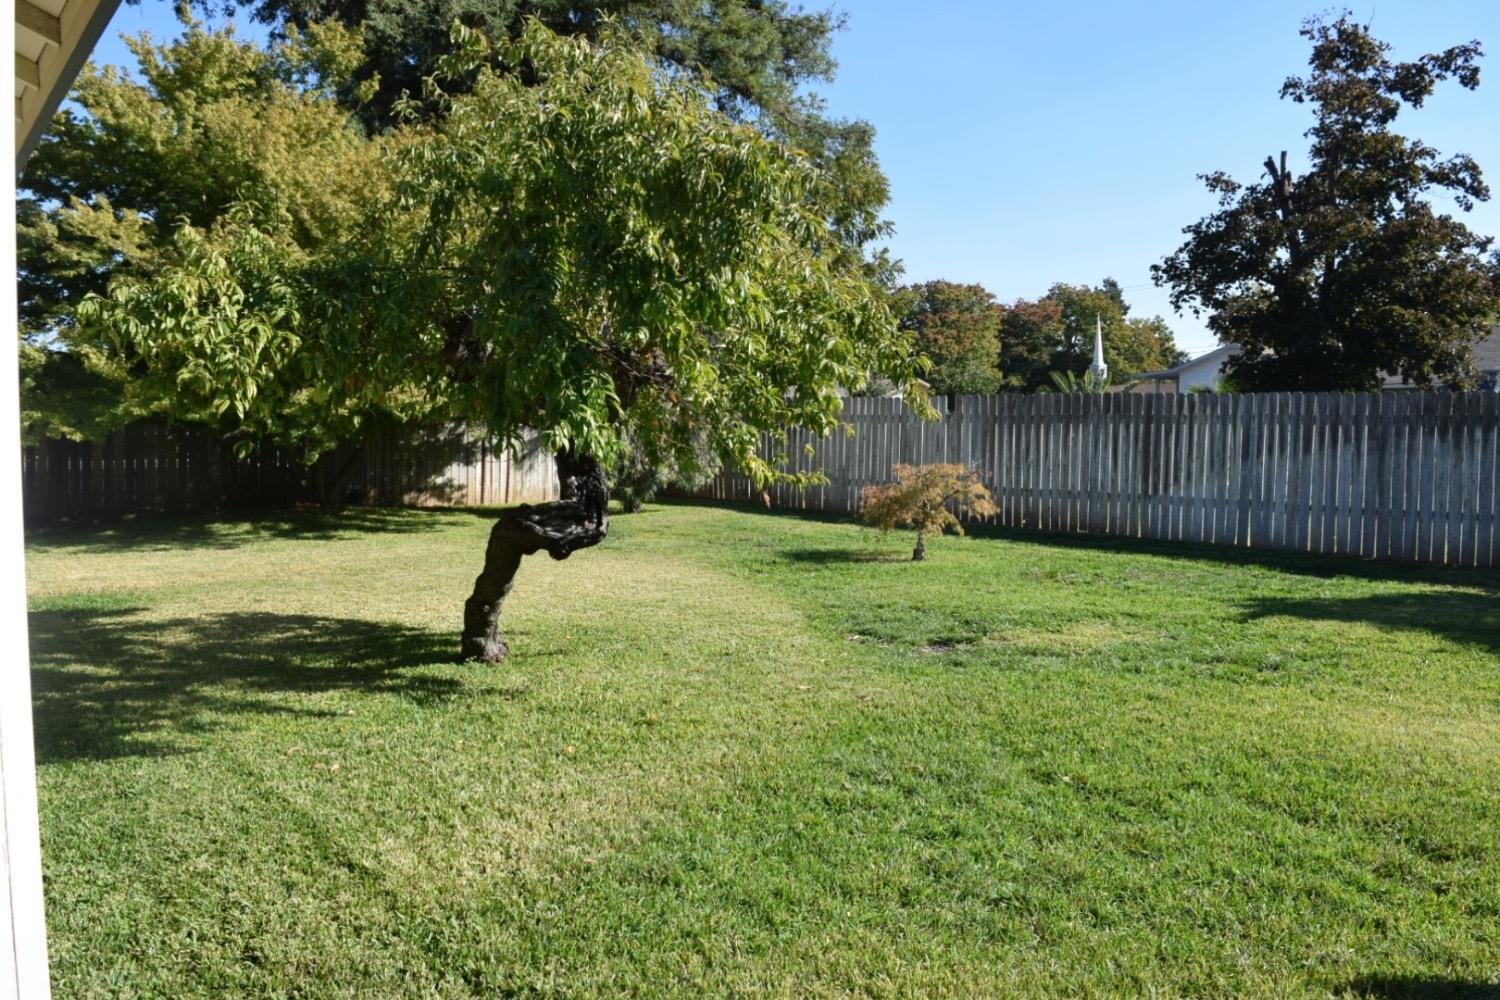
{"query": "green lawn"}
pixel 739 753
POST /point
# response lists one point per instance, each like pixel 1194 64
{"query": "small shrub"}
pixel 1069 383
pixel 928 499
pixel 638 475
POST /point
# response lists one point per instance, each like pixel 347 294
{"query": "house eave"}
pixel 53 39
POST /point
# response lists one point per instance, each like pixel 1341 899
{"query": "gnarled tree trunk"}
pixel 578 520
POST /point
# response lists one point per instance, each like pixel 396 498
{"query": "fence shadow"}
pixel 1421 988
pixel 1470 618
pixel 108 684
pixel 1317 565
pixel 1326 472
pixel 1312 564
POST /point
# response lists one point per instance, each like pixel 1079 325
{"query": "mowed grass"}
pixel 742 753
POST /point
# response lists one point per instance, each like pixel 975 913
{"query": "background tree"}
pixel 928 499
pixel 763 56
pixel 758 51
pixel 642 471
pixel 1147 345
pixel 958 328
pixel 1330 278
pixel 1130 346
pixel 1056 334
pixel 1030 331
pixel 590 253
pixel 213 133
pixel 1111 287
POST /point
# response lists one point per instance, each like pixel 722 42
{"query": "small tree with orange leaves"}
pixel 928 499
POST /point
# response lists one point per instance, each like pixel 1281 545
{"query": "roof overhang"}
pixel 1217 354
pixel 53 40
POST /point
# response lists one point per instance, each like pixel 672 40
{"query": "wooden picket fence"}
pixel 1398 475
pixel 1402 475
pixel 150 467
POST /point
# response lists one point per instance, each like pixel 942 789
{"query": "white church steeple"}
pixel 1099 369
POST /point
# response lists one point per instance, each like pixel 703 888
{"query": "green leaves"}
pixel 624 247
pixel 592 252
pixel 187 202
pixel 957 327
pixel 1345 274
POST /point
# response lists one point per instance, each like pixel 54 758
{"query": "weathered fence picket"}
pixel 1405 476
pixel 1409 476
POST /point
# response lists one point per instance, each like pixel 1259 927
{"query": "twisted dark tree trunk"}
pixel 920 552
pixel 560 528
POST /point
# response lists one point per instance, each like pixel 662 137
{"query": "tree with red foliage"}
pixel 928 499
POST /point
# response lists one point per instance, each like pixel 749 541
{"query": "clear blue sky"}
pixel 1042 142
pixel 1034 143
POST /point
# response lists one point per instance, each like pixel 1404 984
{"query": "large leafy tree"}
pixel 957 327
pixel 1331 277
pixel 211 124
pixel 210 132
pixel 594 252
pixel 759 52
pixel 763 56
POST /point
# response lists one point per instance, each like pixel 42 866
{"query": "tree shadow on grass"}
pixel 1467 617
pixel 829 557
pixel 151 533
pixel 109 684
pixel 1421 988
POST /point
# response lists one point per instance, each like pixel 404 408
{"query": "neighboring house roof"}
pixel 1487 352
pixel 1486 360
pixel 885 390
pixel 1214 357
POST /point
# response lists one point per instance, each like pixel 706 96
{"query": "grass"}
pixel 738 753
